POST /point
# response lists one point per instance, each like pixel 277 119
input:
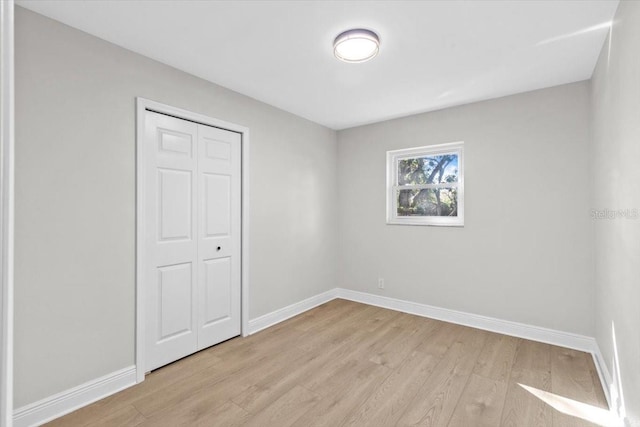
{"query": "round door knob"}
pixel 219 247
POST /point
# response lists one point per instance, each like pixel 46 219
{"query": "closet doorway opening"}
pixel 191 233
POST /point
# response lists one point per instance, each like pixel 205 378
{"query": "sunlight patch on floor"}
pixel 574 408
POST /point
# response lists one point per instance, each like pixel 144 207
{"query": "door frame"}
pixel 142 106
pixel 7 147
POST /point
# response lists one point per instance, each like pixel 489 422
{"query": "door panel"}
pixel 174 311
pixel 217 280
pixel 192 237
pixel 174 203
pixel 217 150
pixel 175 143
pixel 217 205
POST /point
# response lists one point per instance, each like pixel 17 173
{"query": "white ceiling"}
pixel 433 54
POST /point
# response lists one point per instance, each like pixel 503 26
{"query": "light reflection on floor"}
pixel 576 409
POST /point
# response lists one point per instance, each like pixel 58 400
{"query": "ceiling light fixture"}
pixel 356 45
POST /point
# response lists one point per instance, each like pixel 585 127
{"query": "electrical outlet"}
pixel 380 283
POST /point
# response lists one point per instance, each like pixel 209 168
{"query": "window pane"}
pixel 429 202
pixel 428 170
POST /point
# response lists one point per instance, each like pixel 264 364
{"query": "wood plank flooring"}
pixel 349 364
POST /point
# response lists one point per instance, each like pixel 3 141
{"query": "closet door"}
pixel 219 235
pixel 192 237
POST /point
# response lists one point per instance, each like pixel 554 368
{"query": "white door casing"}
pixel 192 237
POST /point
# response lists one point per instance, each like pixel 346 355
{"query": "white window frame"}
pixel 393 157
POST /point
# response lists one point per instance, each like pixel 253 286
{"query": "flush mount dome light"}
pixel 356 45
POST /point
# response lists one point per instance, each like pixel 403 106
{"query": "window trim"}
pixel 394 156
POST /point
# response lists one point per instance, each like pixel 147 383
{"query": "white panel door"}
pixel 192 237
pixel 219 235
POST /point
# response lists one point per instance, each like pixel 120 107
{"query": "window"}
pixel 425 185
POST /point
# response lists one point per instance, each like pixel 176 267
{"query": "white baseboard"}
pixel 609 387
pixel 270 319
pixel 506 327
pixel 603 372
pixel 55 406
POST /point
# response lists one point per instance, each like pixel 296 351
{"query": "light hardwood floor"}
pixel 345 363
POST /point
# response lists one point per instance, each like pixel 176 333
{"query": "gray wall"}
pixel 524 253
pixel 75 200
pixel 615 158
